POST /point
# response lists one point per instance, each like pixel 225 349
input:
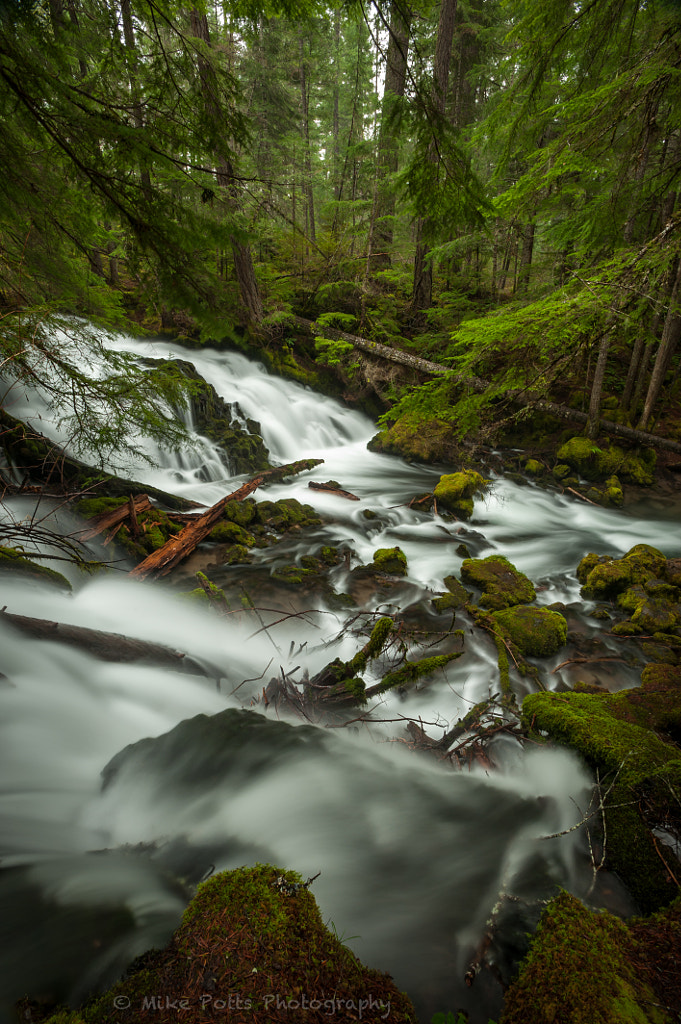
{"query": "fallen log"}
pixel 105 646
pixel 515 395
pixel 117 516
pixel 177 548
pixel 331 487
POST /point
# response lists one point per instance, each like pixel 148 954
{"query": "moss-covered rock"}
pixel 228 532
pixel 609 577
pixel 412 437
pixel 621 735
pixel 501 583
pixel 537 632
pixel 454 492
pixel 596 463
pixel 582 968
pixel 390 560
pixel 255 937
pixel 534 468
pixel 14 561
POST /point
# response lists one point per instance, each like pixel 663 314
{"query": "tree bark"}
pixel 106 646
pixel 175 550
pixel 423 268
pixel 671 334
pixel 305 108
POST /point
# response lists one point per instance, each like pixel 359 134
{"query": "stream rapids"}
pixel 412 856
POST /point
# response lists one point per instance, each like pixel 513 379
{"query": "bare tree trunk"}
pixel 381 236
pixel 307 159
pixel 225 177
pixel 671 333
pixel 597 387
pixel 136 103
pixel 423 269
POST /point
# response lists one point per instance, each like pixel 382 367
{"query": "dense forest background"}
pixel 493 184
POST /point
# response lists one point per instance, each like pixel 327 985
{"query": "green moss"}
pixel 380 635
pixel 582 968
pixel 534 467
pixel 12 560
pixel 286 513
pixel 454 492
pixel 236 554
pixel 501 583
pixel 616 734
pixel 537 632
pixel 445 602
pixel 413 670
pixel 231 533
pixel 252 933
pixel 561 471
pixel 413 437
pixel 390 560
pixel 241 512
pixel 656 615
pixel 609 577
pixel 595 463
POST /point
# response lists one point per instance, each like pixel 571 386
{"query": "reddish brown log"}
pixel 177 548
pixel 330 488
pixel 116 516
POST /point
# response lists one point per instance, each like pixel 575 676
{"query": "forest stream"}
pixel 411 855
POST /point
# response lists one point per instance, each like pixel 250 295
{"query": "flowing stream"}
pixel 412 855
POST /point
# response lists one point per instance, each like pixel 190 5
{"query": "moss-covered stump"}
pixel 14 561
pixel 390 560
pixel 224 423
pixel 251 947
pixel 501 583
pixel 454 492
pixel 582 968
pixel 594 463
pixel 629 738
pixel 537 632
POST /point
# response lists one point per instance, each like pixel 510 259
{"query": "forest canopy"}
pixel 494 184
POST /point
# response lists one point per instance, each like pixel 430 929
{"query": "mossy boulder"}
pixel 228 532
pixel 534 468
pixel 454 492
pixel 413 437
pixel 603 577
pixel 582 968
pixel 501 583
pixel 14 561
pixel 628 737
pixel 537 632
pixel 251 946
pixel 390 560
pixel 594 463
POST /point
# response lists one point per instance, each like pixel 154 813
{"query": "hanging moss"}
pixel 537 632
pixel 501 583
pixel 582 968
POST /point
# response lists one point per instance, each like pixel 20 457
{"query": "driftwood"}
pixel 331 487
pixel 105 646
pixel 515 395
pixel 178 547
pixel 117 516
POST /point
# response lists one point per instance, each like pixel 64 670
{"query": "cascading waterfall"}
pixel 412 856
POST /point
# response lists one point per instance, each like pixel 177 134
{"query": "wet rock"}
pixel 501 583
pixel 454 492
pixel 537 632
pixel 390 560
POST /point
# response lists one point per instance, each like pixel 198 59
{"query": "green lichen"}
pixel 537 632
pixel 501 583
pixel 454 492
pixel 582 968
pixel 390 560
pixel 14 561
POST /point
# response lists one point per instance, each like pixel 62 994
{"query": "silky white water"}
pixel 412 856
